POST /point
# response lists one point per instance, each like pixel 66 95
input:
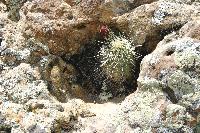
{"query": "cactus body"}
pixel 117 57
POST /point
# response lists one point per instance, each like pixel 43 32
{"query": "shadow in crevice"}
pixel 170 94
pixel 92 78
pixel 153 39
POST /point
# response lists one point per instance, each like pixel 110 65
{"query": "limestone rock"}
pixel 41 86
pixel 175 77
pixel 13 6
pixel 61 27
pixel 149 23
pixel 190 29
pixel 22 83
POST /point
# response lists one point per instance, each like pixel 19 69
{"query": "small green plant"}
pixel 117 57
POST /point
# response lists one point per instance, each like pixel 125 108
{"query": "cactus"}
pixel 117 57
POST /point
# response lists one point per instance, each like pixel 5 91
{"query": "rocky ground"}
pixel 56 63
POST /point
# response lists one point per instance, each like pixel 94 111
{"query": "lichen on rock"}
pixel 56 77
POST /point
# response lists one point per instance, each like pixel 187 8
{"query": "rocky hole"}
pixel 91 84
pixel 169 52
pixel 94 81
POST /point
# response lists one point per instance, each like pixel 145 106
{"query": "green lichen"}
pixel 187 55
pixel 181 83
pixel 176 116
pixel 149 84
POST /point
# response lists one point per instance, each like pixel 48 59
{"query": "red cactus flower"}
pixel 104 31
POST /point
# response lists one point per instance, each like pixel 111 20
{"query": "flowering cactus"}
pixel 117 57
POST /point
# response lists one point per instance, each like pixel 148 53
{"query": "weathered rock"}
pixel 52 117
pixel 148 24
pixel 62 28
pixel 191 29
pixel 181 1
pixel 36 74
pixel 136 3
pixel 65 28
pixel 22 83
pixel 61 77
pixel 13 6
pixel 175 77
